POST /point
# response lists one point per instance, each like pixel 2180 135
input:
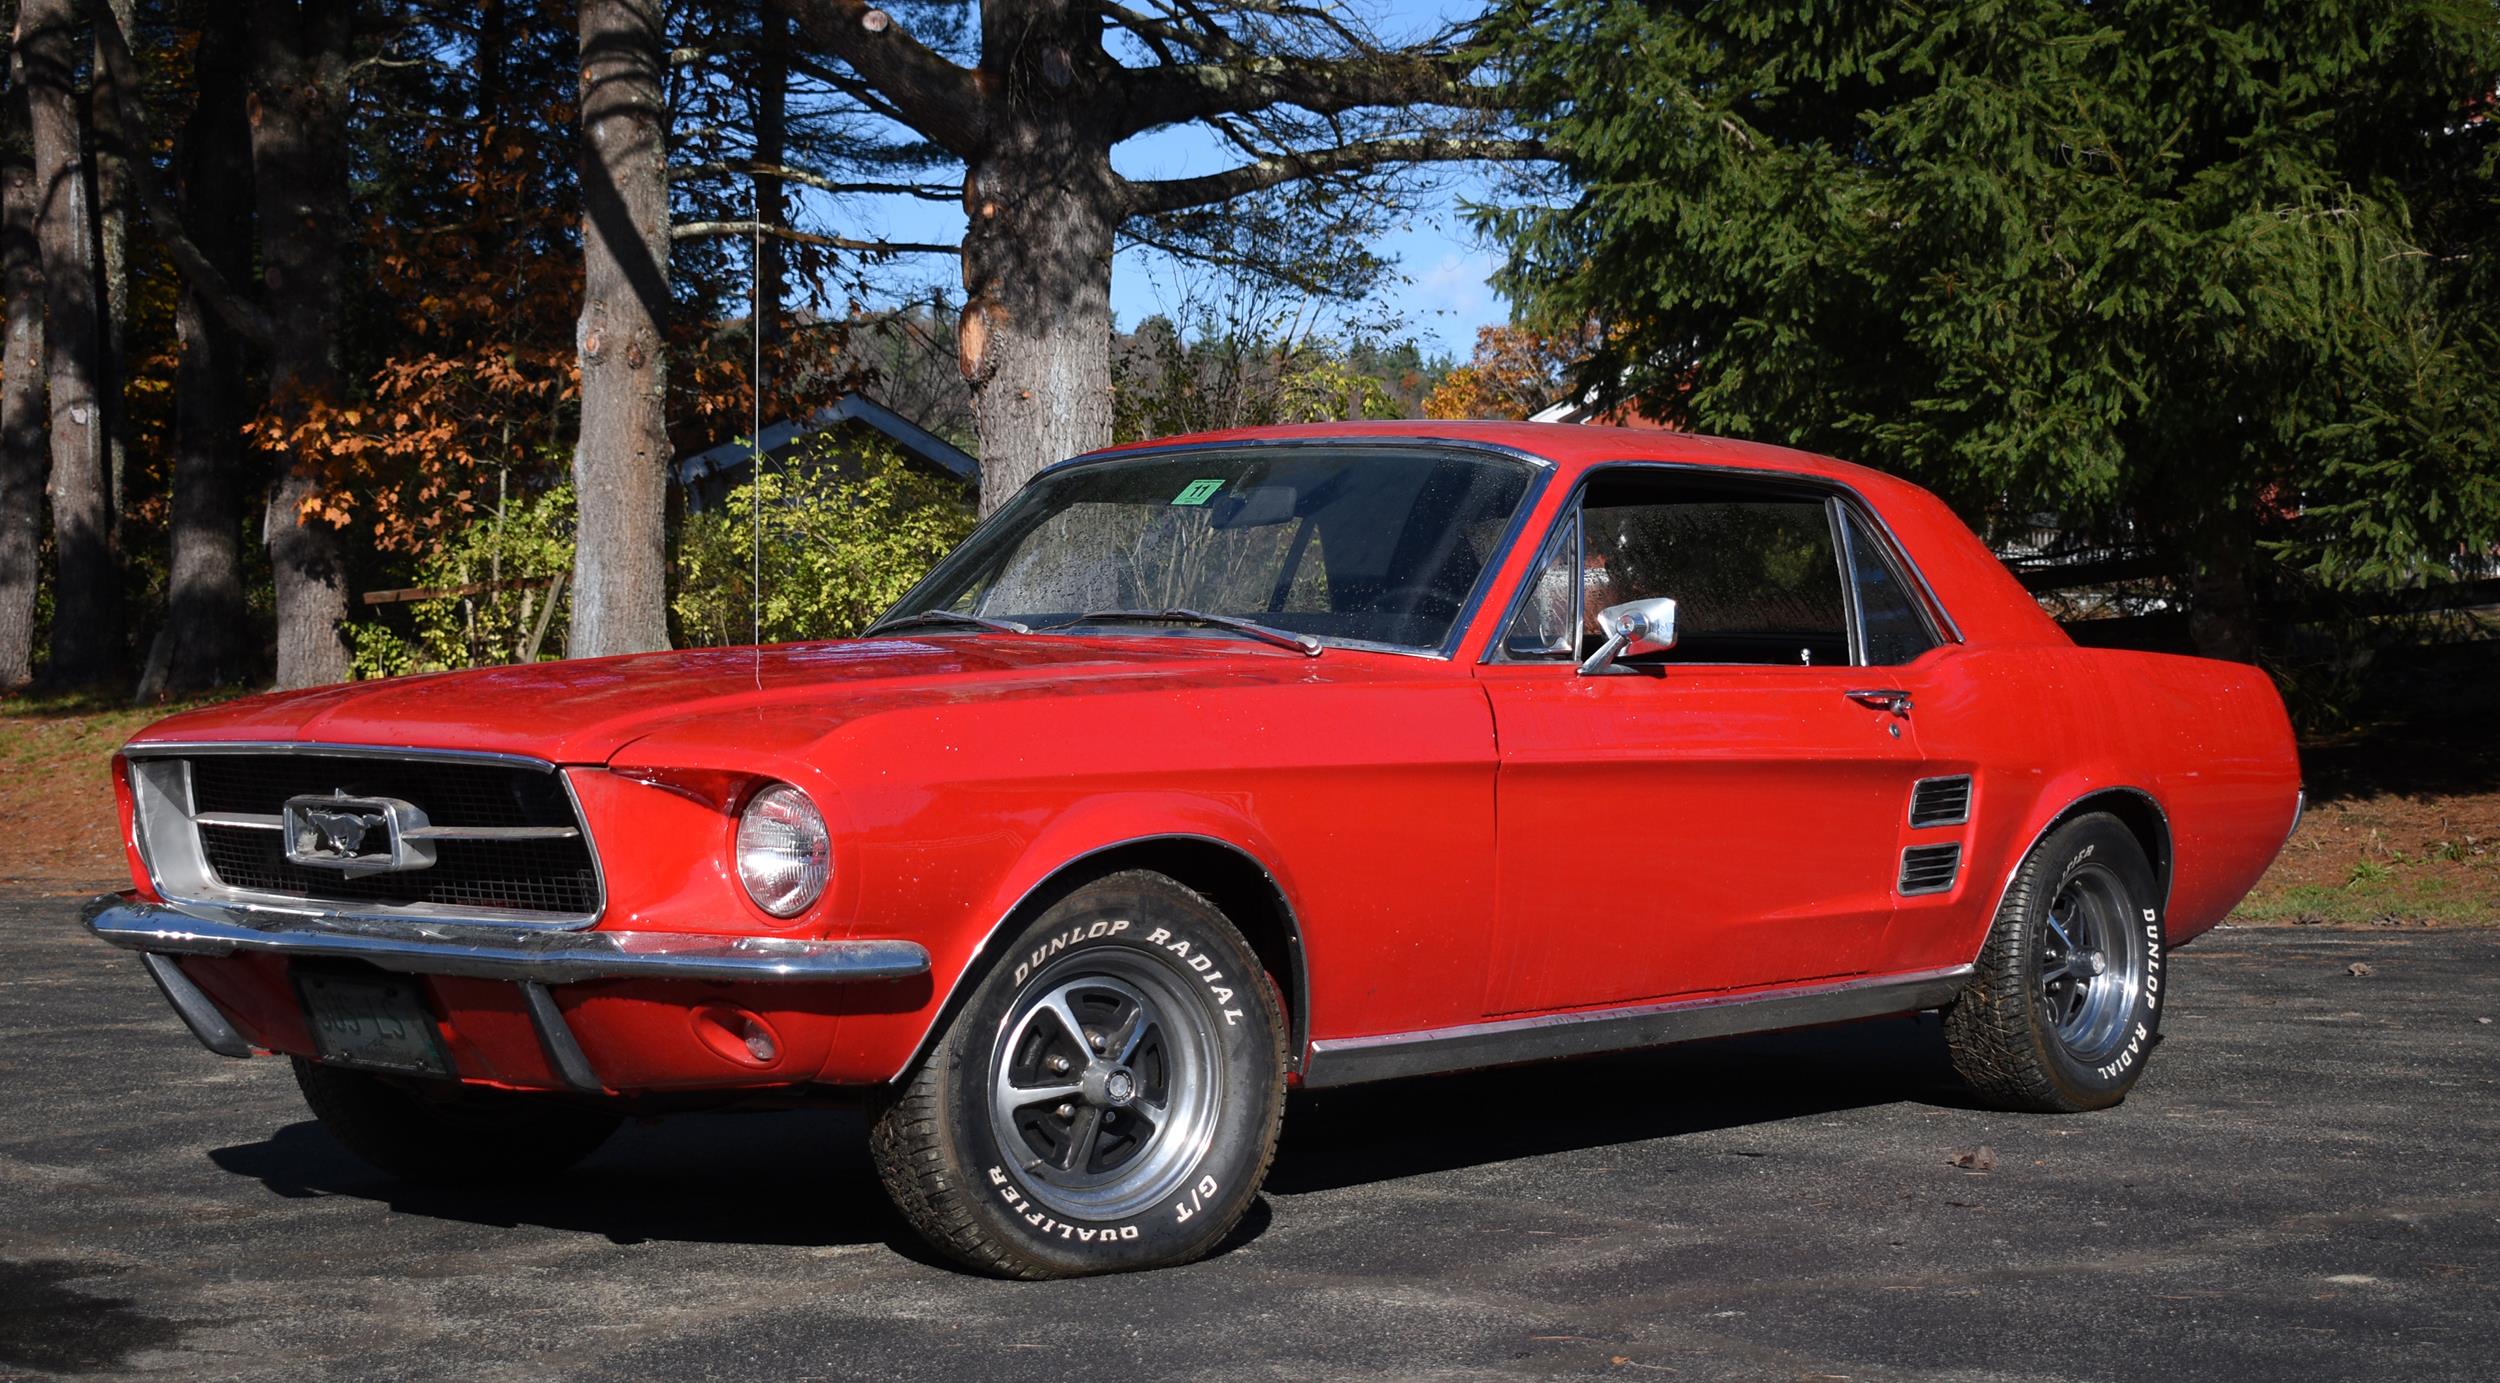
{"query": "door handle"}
pixel 1886 699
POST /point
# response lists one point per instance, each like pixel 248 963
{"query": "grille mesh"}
pixel 1930 868
pixel 1940 801
pixel 543 876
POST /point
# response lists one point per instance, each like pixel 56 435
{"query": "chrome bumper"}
pixel 482 951
pixel 532 958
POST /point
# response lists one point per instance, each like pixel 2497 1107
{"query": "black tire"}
pixel 1024 1149
pixel 438 1133
pixel 2066 1005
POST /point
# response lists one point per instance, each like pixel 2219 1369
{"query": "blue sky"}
pixel 1439 290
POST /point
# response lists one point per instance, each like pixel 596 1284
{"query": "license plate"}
pixel 374 1021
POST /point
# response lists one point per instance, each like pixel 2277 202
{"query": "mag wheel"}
pixel 1107 1099
pixel 2065 1005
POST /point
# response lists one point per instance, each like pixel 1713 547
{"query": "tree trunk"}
pixel 299 178
pixel 2222 610
pixel 84 630
pixel 205 610
pixel 620 461
pixel 23 451
pixel 112 203
pixel 1035 338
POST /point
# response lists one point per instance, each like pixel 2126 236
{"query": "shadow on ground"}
pixel 52 1327
pixel 680 1179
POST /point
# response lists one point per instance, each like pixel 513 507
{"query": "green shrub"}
pixel 517 552
pixel 842 540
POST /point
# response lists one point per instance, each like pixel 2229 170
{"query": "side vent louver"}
pixel 1930 868
pixel 1940 801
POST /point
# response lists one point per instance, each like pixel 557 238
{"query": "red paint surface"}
pixel 1456 840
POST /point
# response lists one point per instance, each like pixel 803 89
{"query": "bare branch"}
pixel 934 96
pixel 698 230
pixel 1201 91
pixel 1175 194
pixel 748 168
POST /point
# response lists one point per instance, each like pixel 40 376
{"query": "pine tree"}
pixel 2221 273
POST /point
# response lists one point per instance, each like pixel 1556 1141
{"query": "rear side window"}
pixel 1892 630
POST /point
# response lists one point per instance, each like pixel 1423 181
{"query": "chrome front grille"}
pixel 504 837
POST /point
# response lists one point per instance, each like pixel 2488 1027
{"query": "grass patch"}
pixel 2376 895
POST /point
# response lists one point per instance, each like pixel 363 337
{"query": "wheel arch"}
pixel 2134 808
pixel 1236 881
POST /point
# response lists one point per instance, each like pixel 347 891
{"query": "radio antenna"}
pixel 755 439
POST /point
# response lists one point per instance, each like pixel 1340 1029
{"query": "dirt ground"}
pixel 2403 827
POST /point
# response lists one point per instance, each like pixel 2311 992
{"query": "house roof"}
pixel 914 440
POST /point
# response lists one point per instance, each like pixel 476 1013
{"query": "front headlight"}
pixel 784 855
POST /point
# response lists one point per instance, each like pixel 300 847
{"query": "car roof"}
pixel 1570 446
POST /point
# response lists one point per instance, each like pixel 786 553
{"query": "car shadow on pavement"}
pixel 1340 1138
pixel 672 1179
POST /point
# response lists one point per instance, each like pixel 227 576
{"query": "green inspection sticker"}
pixel 1198 492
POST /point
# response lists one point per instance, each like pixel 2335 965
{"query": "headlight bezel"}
pixel 787 886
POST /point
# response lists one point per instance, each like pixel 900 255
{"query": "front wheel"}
pixel 2065 1006
pixel 1107 1099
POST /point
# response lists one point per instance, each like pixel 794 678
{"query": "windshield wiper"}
pixel 995 626
pixel 1303 644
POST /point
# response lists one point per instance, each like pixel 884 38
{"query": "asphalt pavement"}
pixel 2303 1186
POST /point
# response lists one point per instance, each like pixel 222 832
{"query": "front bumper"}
pixel 532 958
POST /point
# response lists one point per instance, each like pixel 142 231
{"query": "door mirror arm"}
pixel 1632 629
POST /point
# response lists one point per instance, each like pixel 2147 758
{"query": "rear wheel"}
pixel 439 1133
pixel 1107 1099
pixel 2065 1006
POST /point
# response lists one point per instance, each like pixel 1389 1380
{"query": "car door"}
pixel 1729 813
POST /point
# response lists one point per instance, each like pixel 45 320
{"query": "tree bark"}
pixel 299 176
pixel 84 630
pixel 620 460
pixel 23 443
pixel 205 609
pixel 1043 206
pixel 112 202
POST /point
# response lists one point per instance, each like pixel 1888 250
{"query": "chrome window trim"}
pixel 1931 608
pixel 1540 474
pixel 279 905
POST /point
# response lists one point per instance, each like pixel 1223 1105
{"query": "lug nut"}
pixel 1094 1038
pixel 1065 1111
pixel 1059 1065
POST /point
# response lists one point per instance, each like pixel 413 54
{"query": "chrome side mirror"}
pixel 1632 628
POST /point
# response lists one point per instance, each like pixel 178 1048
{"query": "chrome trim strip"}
pixel 555 1037
pixel 197 1011
pixel 1541 472
pixel 158 749
pixel 250 821
pixel 1438 1051
pixel 486 951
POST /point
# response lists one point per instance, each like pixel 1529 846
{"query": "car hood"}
pixel 583 712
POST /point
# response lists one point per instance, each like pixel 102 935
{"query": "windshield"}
pixel 1369 545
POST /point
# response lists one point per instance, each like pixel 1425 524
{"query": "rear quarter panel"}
pixel 2044 727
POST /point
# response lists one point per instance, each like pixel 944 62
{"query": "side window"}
pixel 1891 629
pixel 1754 570
pixel 1754 574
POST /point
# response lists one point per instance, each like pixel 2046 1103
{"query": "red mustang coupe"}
pixel 1205 769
